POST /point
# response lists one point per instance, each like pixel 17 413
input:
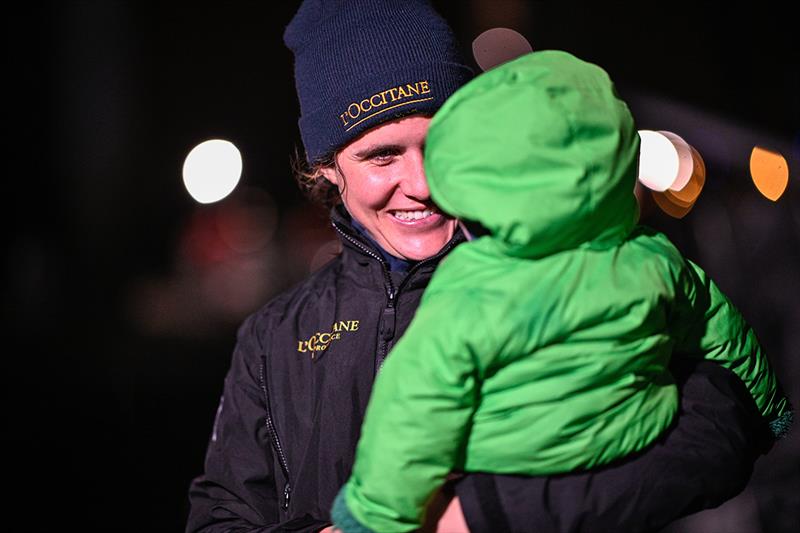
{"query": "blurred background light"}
pixel 685 161
pixel 673 170
pixel 659 161
pixel 770 172
pixel 212 170
pixel 499 45
pixel 694 186
pixel 248 224
pixel 669 205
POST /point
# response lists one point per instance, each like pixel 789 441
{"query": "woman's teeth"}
pixel 414 215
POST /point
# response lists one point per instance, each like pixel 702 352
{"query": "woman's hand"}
pixel 453 521
pixel 445 515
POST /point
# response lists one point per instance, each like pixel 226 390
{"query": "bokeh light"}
pixel 248 220
pixel 669 206
pixel 499 45
pixel 685 162
pixel 659 161
pixel 212 170
pixel 770 172
pixel 678 203
pixel 694 186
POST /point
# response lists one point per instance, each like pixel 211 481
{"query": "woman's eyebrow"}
pixel 376 149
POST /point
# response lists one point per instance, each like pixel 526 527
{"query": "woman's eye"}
pixel 382 158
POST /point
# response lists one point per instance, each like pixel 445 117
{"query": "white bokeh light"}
pixel 212 170
pixel 659 161
pixel 685 161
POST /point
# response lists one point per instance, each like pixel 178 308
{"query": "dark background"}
pixel 122 295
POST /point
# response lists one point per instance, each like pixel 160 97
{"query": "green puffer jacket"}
pixel 543 347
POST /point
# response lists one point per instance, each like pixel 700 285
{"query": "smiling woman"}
pixel 382 184
pixel 309 380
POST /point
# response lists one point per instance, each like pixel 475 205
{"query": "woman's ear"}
pixel 330 174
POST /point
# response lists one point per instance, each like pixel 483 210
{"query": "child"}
pixel 542 347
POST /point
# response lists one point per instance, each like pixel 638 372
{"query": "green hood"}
pixel 541 151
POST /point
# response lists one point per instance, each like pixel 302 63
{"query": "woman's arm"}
pixel 703 460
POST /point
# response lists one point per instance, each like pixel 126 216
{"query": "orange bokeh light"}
pixel 670 206
pixel 770 172
pixel 677 204
pixel 692 189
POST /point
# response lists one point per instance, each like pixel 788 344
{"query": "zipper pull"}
pixel 287 494
pixel 387 323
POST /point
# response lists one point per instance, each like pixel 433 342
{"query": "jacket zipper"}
pixel 388 316
pixel 386 326
pixel 386 276
pixel 276 443
pixel 386 330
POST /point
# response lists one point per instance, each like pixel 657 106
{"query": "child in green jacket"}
pixel 541 348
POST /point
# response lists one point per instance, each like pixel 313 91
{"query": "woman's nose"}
pixel 413 183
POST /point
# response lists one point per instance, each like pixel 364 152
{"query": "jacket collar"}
pixel 355 240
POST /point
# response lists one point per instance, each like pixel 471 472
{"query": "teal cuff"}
pixel 781 425
pixel 344 519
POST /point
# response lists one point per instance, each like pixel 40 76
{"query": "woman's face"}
pixel 381 178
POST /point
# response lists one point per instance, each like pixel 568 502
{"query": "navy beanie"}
pixel 359 63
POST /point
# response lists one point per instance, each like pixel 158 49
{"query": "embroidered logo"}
pixel 409 93
pixel 319 341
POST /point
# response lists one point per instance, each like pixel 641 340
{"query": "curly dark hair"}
pixel 311 181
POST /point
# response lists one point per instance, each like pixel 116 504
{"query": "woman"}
pixel 369 75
